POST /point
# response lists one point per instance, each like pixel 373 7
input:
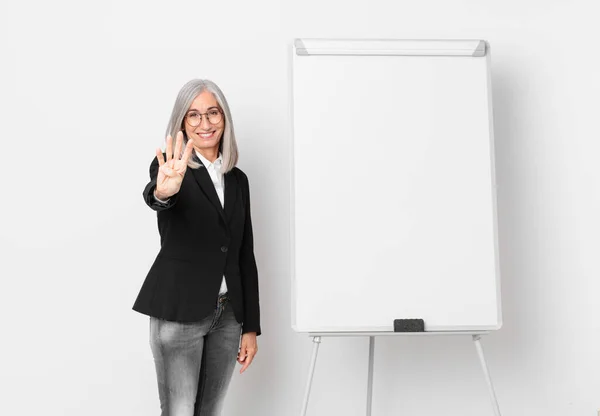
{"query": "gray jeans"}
pixel 195 361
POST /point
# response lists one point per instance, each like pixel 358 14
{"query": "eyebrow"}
pixel 209 108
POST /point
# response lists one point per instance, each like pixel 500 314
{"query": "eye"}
pixel 213 112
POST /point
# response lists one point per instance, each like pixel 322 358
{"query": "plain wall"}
pixel 86 90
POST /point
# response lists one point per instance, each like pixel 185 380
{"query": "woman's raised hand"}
pixel 170 173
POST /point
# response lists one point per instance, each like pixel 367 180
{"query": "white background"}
pixel 85 94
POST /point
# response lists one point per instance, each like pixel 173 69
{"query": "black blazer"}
pixel 201 242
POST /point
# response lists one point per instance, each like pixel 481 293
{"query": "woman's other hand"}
pixel 171 172
pixel 248 350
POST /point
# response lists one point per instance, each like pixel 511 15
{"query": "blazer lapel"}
pixel 231 191
pixel 203 178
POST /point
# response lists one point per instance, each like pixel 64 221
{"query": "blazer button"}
pixel 224 249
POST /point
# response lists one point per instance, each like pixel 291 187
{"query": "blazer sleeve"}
pixel 248 269
pixel 148 192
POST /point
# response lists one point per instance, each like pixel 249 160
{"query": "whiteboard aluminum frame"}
pixel 392 47
pixel 468 48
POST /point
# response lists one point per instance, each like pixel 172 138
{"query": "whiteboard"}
pixel 393 197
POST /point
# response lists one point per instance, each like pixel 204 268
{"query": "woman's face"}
pixel 205 136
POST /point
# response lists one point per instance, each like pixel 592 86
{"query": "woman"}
pixel 201 293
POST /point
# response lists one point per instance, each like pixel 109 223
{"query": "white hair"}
pixel 187 95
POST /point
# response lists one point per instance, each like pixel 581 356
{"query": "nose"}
pixel 204 124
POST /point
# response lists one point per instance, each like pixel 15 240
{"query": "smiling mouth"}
pixel 206 135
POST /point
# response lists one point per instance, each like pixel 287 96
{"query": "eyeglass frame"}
pixel 185 118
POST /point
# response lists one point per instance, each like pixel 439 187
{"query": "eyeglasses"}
pixel 214 116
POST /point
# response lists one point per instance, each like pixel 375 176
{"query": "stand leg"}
pixel 370 377
pixel 311 372
pixel 476 339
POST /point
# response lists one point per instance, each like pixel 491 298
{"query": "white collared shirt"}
pixel 214 171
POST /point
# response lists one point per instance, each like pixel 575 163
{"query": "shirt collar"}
pixel 218 161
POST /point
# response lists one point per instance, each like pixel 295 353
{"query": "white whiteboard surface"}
pixel 393 189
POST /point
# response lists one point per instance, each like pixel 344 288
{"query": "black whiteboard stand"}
pixel 316 336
